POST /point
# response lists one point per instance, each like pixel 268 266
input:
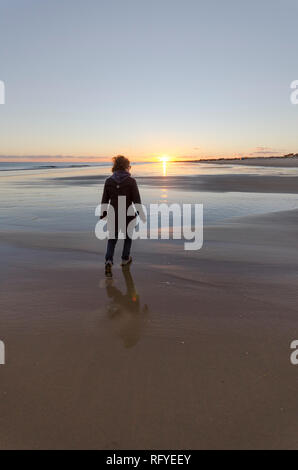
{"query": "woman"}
pixel 120 183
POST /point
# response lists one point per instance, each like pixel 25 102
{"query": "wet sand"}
pixel 251 183
pixel 191 351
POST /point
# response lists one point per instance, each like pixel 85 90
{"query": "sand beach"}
pixel 179 345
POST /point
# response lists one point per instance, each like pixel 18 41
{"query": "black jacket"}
pixel 120 184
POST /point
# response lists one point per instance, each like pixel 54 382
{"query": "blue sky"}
pixel 184 78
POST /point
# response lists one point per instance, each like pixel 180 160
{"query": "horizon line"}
pixel 86 159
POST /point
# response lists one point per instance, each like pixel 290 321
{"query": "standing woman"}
pixel 120 183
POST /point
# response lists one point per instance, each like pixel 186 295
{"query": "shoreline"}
pixel 215 183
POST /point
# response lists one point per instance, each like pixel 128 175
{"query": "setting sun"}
pixel 164 158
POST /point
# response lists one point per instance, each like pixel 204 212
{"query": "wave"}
pixel 15 166
pixel 24 166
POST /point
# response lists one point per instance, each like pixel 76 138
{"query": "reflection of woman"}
pixel 125 309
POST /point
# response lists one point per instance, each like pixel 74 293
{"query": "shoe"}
pixel 126 262
pixel 108 268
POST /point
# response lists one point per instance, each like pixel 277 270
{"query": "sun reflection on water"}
pixel 164 160
pixel 164 193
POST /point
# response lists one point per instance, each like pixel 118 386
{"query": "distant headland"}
pixel 289 160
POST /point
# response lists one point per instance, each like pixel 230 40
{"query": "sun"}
pixel 164 158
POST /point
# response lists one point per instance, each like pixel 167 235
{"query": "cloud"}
pixel 265 151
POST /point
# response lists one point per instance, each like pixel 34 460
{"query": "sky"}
pixel 183 78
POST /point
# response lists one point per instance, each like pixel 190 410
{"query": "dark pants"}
pixel 111 248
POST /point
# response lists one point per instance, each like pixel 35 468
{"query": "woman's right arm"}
pixel 105 199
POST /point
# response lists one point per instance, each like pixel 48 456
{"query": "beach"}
pixel 269 162
pixel 184 337
pixel 186 349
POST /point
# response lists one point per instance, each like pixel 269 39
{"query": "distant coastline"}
pixel 289 160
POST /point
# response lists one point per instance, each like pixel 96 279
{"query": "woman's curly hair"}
pixel 120 163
